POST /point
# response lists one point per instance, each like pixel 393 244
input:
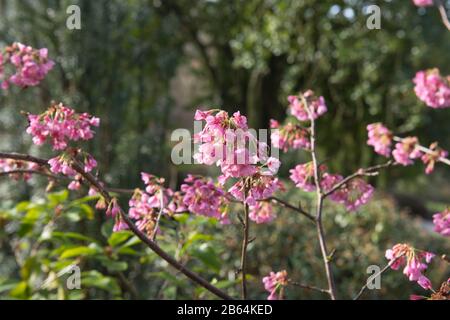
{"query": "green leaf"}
pixel 72 235
pixel 58 197
pixel 94 278
pixel 112 265
pixel 119 237
pixel 208 256
pixel 169 277
pixel 79 251
pixel 20 291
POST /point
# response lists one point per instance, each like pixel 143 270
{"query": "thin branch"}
pixel 161 206
pixel 319 206
pixel 290 206
pixel 443 13
pixel 153 246
pixel 27 171
pixel 245 242
pixel 370 171
pixel 425 150
pixel 306 286
pixel 386 267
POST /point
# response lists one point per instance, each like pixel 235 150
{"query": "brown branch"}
pixel 443 13
pixel 245 241
pixel 153 246
pixel 306 286
pixel 370 171
pixel 319 206
pixel 386 267
pixel 426 150
pixel 27 171
pixel 290 206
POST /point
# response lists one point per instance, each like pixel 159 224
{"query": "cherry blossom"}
pixel 315 104
pixel 441 221
pixel 415 262
pixel 289 136
pixel 226 142
pixel 406 150
pixel 432 88
pixel 31 65
pixel 423 3
pixel 274 283
pixel 203 197
pixel 261 212
pixel 303 176
pixel 259 187
pixel 380 138
pixel 9 165
pixel 430 159
pixel 61 124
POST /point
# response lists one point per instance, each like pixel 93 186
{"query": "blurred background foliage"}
pixel 144 66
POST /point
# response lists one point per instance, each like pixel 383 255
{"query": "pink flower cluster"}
pixel 227 142
pixel 289 136
pixel 62 165
pixel 303 176
pixel 10 165
pixel 432 88
pixel 60 124
pixel 352 194
pixel 31 65
pixel 261 212
pixel 146 205
pixel 380 138
pixel 430 159
pixel 406 150
pixel 201 196
pixel 260 187
pixel 415 262
pixel 423 3
pixel 441 222
pixel 315 106
pixel 274 283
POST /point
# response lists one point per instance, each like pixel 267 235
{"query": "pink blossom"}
pixel 327 184
pixel 145 206
pixel 120 225
pixel 441 221
pixel 315 104
pixel 10 165
pixel 380 138
pixel 415 262
pixel 261 212
pixel 60 124
pixel 423 3
pixel 227 142
pixel 430 159
pixel 202 197
pixel 357 193
pixel 274 283
pixel 74 185
pixel 432 88
pixel 113 208
pixel 273 164
pixel 290 136
pixel 31 65
pixel 406 150
pixel 261 187
pixel 59 164
pixel 303 176
pixel 89 163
